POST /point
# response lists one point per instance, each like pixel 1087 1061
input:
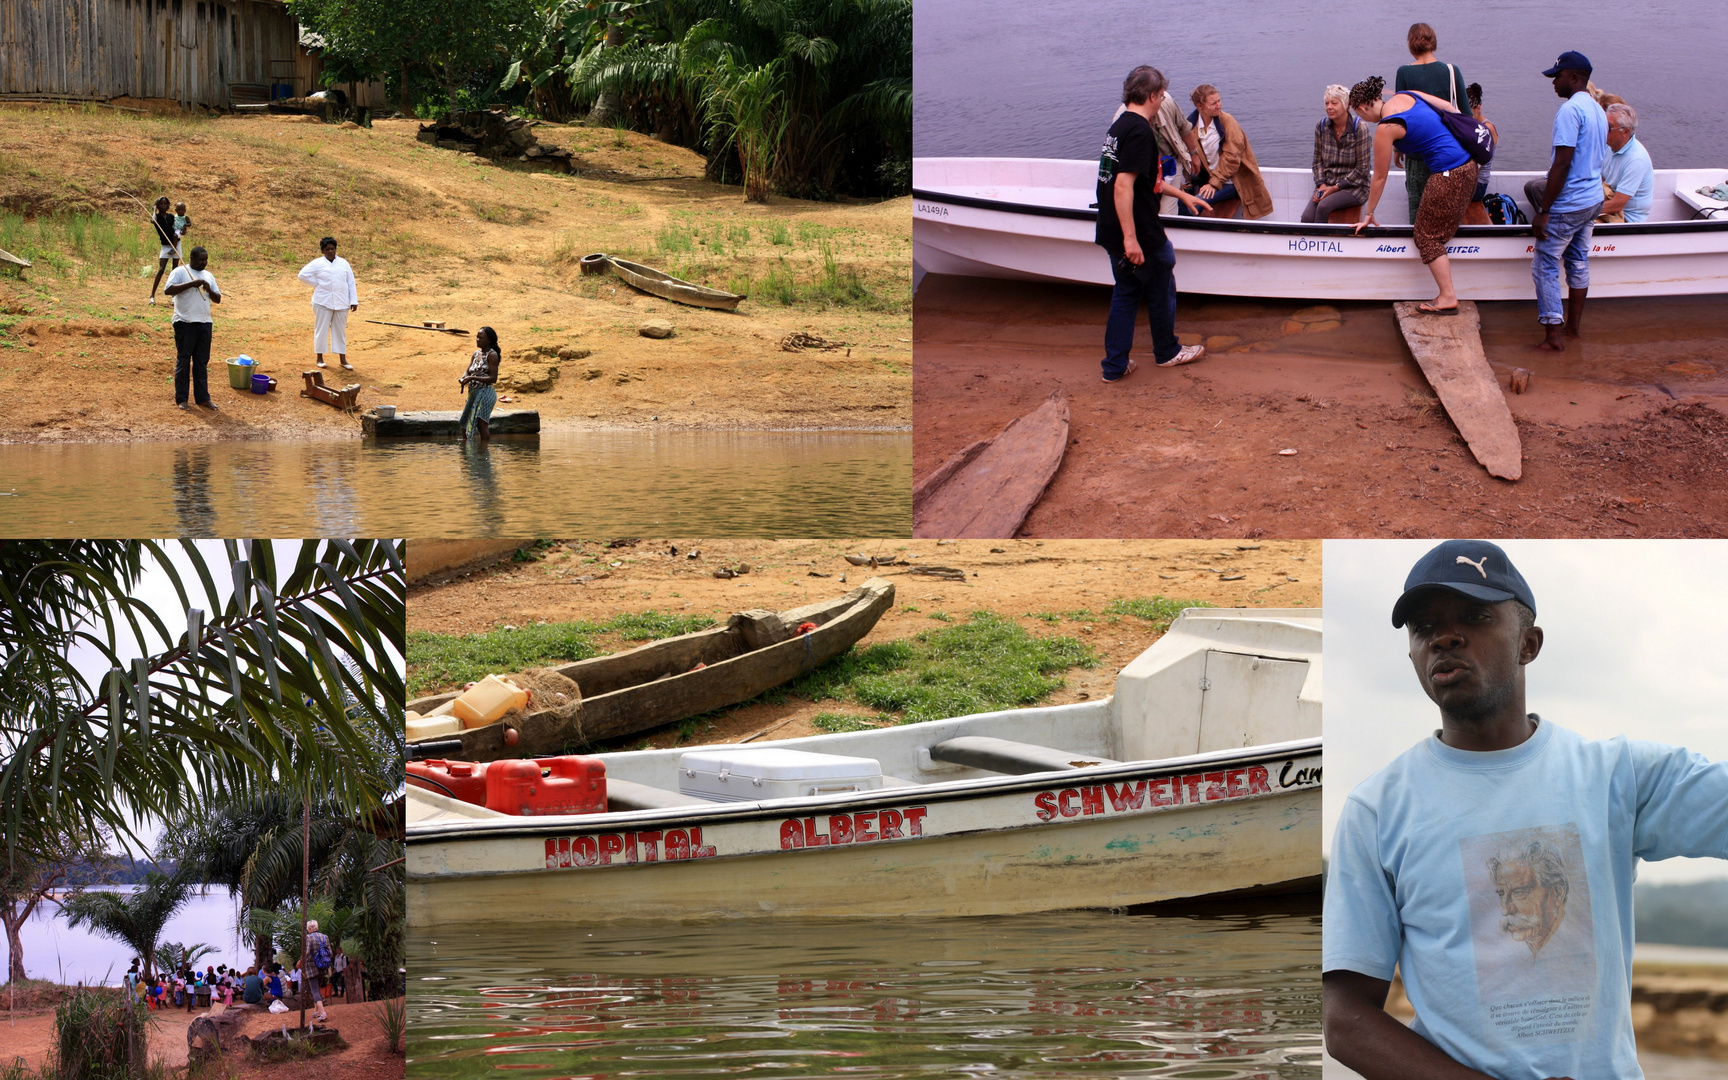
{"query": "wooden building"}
pixel 197 52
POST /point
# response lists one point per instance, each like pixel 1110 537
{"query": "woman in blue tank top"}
pixel 1410 124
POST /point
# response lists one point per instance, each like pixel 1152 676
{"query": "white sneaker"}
pixel 1187 355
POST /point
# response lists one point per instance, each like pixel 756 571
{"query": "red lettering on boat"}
pixel 1091 800
pixel 1062 806
pixel 1126 796
pixel 1045 801
pixel 890 827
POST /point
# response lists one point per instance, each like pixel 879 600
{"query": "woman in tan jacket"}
pixel 1231 171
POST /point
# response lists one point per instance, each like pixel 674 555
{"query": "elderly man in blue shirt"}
pixel 1628 178
pixel 1567 201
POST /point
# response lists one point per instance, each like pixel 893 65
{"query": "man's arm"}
pixel 1556 181
pixel 1615 203
pixel 172 289
pixel 1361 1034
pixel 1123 193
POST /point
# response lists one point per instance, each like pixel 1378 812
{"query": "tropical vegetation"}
pixel 811 98
pixel 136 918
pixel 242 679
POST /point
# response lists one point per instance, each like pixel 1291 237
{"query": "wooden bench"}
pixel 1350 215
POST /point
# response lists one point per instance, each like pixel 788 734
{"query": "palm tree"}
pixel 289 679
pixel 137 919
pixel 256 847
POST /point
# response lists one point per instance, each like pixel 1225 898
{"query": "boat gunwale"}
pixel 770 809
pixel 846 608
pixel 1286 228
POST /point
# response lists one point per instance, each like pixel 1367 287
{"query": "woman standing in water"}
pixel 1410 124
pixel 482 373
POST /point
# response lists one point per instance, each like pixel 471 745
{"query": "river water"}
pixel 1024 79
pixel 823 484
pixel 1067 994
pixel 60 954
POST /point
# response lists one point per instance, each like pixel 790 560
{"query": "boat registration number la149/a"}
pixel 897 823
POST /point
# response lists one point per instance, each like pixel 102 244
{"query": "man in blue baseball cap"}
pixel 1491 865
pixel 1567 200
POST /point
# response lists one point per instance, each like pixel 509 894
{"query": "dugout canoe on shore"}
pixel 682 676
pixel 664 285
pixel 1200 775
pixel 1033 219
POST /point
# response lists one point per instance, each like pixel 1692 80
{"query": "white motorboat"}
pixel 1033 218
pixel 1200 775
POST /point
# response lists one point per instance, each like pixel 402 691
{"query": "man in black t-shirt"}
pixel 1141 257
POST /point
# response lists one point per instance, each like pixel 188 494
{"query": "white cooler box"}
pixel 738 775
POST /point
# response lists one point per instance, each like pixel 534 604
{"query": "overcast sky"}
pixel 1636 644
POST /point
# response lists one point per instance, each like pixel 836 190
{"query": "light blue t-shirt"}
pixel 1581 124
pixel 1500 885
pixel 1629 172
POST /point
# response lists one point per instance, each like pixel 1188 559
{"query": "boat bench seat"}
pixel 629 795
pixel 1007 756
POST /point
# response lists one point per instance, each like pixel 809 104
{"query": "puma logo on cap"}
pixel 1478 564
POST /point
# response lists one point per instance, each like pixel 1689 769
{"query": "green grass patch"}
pixel 835 723
pixel 1160 611
pixel 980 665
pixel 444 661
pixel 780 233
pixel 674 240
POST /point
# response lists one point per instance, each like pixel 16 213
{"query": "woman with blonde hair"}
pixel 1410 124
pixel 1341 149
pixel 1229 168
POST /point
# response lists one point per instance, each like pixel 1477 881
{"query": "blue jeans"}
pixel 1223 194
pixel 1569 238
pixel 1152 283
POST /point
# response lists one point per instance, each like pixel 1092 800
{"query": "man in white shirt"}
pixel 333 297
pixel 193 290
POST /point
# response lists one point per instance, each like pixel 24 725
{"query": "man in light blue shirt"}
pixel 1492 864
pixel 1567 200
pixel 1628 177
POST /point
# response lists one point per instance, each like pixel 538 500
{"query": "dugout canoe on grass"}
pixel 1200 775
pixel 664 285
pixel 8 257
pixel 682 676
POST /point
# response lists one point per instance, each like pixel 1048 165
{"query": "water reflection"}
pixel 191 487
pixel 1074 994
pixel 689 483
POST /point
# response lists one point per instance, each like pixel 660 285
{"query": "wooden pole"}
pixel 305 901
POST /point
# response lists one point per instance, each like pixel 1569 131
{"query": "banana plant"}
pixel 287 674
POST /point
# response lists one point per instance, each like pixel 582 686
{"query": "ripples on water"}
pixel 622 483
pixel 1069 994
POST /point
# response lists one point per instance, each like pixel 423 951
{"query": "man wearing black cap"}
pixel 1492 864
pixel 1567 200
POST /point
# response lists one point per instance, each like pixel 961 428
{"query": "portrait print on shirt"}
pixel 1532 933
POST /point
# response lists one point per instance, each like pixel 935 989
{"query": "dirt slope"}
pixel 432 234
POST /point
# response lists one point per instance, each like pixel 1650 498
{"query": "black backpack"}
pixel 1502 210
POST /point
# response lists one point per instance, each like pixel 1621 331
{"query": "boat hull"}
pixel 1108 836
pixel 664 285
pixel 1030 219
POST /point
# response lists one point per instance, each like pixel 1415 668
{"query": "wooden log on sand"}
pixel 1449 350
pixel 429 425
pixel 987 489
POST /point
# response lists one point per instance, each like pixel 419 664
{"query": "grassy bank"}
pixel 969 664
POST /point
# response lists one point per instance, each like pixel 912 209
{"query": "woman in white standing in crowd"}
pixel 334 295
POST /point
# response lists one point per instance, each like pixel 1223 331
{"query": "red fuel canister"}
pixel 561 785
pixel 465 780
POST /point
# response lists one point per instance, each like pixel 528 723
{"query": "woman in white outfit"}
pixel 333 297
